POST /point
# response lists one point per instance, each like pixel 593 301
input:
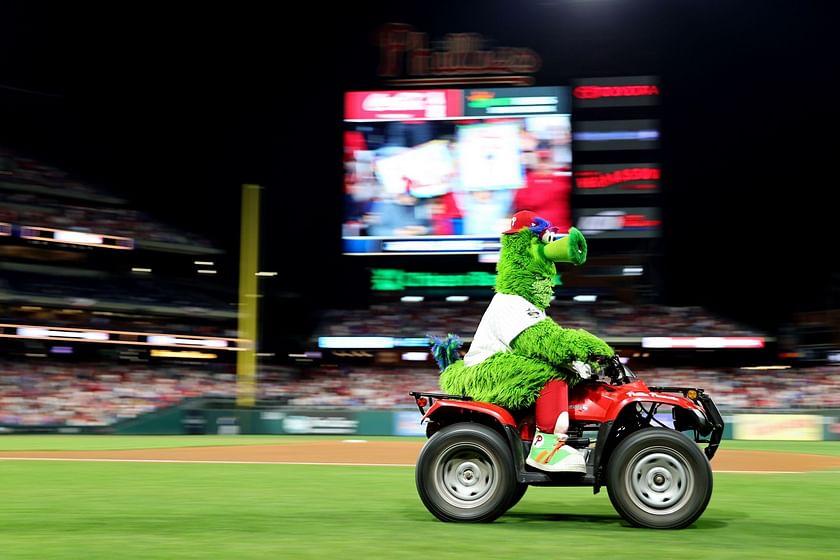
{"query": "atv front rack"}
pixel 712 414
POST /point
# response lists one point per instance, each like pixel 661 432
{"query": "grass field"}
pixel 108 443
pixel 170 510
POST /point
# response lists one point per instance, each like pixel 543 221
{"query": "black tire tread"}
pixel 467 432
pixel 660 437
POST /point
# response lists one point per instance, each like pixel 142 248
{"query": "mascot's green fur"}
pixel 513 378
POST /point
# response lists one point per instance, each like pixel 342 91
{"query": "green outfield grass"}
pixel 164 510
pixel 814 447
pixel 109 443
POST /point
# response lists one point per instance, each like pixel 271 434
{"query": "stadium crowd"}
pixel 100 291
pixel 799 388
pixel 35 194
pixel 45 392
pixel 602 318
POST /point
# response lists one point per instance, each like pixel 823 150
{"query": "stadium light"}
pixel 585 298
pixel 411 299
pixel 129 338
pixel 185 354
pixel 356 342
pixel 702 342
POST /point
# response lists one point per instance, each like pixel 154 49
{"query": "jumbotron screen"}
pixel 442 171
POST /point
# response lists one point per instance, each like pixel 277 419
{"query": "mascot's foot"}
pixel 549 452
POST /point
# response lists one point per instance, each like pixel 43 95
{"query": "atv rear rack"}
pixel 426 400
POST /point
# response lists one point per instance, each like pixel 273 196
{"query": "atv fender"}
pixel 446 408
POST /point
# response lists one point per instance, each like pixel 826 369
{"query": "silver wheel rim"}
pixel 466 476
pixel 659 480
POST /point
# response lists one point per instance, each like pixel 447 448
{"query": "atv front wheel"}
pixel 658 478
pixel 518 493
pixel 465 473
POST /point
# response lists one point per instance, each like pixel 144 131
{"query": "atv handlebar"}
pixel 618 373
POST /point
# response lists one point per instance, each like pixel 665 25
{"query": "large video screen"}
pixel 442 171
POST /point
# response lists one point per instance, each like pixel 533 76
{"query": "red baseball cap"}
pixel 525 219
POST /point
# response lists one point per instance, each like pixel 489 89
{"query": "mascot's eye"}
pixel 550 234
pixel 539 225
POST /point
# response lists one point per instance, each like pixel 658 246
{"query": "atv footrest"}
pixel 538 478
pixel 578 443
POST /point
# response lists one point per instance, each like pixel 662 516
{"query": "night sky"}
pixel 175 109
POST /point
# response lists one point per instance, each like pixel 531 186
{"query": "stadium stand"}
pixel 36 194
pixel 149 284
pixel 48 392
pixel 51 284
pixel 604 318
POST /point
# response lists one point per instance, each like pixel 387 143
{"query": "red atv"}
pixel 472 468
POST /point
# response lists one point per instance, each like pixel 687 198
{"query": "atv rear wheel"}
pixel 465 473
pixel 658 478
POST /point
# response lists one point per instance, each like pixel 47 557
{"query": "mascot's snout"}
pixel 569 249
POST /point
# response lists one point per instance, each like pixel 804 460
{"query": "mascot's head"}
pixel 529 250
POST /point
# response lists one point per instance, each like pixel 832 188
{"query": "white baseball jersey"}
pixel 504 319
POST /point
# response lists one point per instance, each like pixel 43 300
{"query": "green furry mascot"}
pixel 518 353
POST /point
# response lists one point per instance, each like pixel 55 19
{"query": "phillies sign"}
pixel 409 57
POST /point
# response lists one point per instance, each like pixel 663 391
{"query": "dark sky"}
pixel 175 108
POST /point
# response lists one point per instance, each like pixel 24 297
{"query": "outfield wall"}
pixel 194 418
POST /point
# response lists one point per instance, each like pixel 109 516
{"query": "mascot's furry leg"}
pixel 549 451
pixel 552 412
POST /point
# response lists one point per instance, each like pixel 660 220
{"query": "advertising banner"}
pixel 619 91
pixel 831 428
pixel 625 178
pixel 320 422
pixel 498 102
pixel 636 134
pixel 408 424
pixel 636 222
pixel 786 427
pixel 402 105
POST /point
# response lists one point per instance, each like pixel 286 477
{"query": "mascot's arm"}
pixel 549 342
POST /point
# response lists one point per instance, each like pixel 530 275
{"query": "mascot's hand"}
pixel 583 370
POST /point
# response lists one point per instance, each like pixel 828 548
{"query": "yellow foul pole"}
pixel 246 360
